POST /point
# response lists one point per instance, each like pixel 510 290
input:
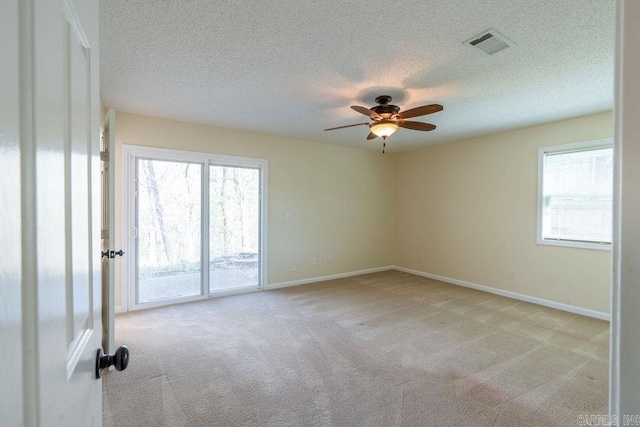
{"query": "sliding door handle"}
pixel 111 254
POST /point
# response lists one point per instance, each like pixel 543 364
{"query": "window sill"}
pixel 576 245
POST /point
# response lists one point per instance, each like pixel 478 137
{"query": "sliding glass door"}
pixel 234 227
pixel 196 224
pixel 169 230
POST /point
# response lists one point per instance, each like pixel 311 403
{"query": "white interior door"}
pixel 67 205
pixel 53 201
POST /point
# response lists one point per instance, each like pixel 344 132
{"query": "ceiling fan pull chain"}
pixel 384 144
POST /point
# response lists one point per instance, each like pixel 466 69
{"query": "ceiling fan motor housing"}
pixel 384 107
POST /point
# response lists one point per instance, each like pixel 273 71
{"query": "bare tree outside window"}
pixel 169 211
pixel 234 221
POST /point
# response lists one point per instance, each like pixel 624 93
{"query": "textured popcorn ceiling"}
pixel 293 68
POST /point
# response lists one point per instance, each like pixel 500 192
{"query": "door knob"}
pixel 120 359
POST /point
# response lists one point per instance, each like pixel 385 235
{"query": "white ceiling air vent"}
pixel 490 42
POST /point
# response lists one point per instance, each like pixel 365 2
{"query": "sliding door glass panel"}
pixel 169 230
pixel 234 227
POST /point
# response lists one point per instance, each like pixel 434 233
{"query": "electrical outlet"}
pixel 314 261
pixel 288 215
pixel 329 260
pixel 293 267
pixel 512 273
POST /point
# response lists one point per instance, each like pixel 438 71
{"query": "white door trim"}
pixel 624 377
pixel 30 369
pixel 109 294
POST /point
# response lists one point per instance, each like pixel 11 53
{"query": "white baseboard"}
pixel 325 278
pixel 120 309
pixel 509 294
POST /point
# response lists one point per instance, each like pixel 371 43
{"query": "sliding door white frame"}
pixel 130 155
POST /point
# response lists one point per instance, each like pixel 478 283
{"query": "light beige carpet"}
pixel 383 349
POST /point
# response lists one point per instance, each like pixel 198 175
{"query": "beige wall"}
pixel 464 210
pixel 467 211
pixel 339 198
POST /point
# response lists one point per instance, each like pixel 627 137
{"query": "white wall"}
pixel 339 197
pixel 467 211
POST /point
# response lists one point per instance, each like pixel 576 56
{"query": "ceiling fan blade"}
pixel 365 111
pixel 420 111
pixel 408 124
pixel 348 126
pixel 372 135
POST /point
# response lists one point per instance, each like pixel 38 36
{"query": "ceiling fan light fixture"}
pixel 383 129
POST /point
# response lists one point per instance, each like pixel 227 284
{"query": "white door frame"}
pixel 129 232
pixel 109 289
pixel 624 388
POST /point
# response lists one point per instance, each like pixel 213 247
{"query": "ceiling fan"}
pixel 386 118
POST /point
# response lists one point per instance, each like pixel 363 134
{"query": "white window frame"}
pixel 576 146
pixel 129 155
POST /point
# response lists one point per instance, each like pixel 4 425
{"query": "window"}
pixel 575 194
